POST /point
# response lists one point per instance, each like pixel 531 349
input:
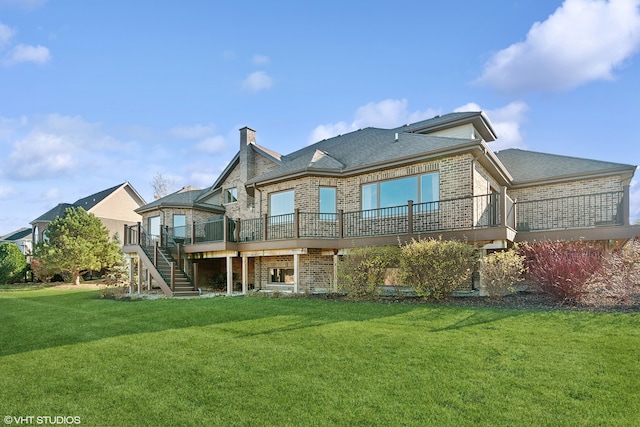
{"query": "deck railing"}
pixel 466 213
pixel 579 211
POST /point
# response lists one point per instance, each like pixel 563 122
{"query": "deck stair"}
pixel 162 266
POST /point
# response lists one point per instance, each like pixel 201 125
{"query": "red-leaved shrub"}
pixel 562 269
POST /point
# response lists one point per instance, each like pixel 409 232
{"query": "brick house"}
pixel 274 221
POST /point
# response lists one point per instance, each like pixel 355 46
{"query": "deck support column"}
pixel 503 206
pixel 625 205
pixel 335 271
pixel 296 272
pixel 245 274
pixel 140 275
pixel 229 275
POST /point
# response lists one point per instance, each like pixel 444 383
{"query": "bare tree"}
pixel 162 186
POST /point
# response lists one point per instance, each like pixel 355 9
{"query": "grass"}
pixel 267 361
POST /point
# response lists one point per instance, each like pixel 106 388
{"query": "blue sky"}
pixel 95 93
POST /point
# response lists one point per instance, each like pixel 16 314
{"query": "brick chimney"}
pixel 247 164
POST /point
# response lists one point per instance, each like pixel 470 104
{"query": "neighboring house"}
pixel 272 221
pixel 21 238
pixel 114 207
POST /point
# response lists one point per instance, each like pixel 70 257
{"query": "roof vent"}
pixel 396 136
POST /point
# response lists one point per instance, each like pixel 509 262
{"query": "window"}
pixel 281 203
pixel 281 275
pixel 396 192
pixel 154 226
pixel 327 196
pixel 231 195
pixel 179 225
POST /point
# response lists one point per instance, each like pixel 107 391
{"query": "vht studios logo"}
pixel 41 420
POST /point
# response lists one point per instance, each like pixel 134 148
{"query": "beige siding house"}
pixel 275 221
pixel 114 207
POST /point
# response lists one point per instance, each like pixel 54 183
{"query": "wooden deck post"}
pixel 195 275
pixel 139 238
pixel 503 206
pixel 125 236
pixel 296 223
pixel 410 216
pixel 173 276
pixel 265 224
pixel 193 233
pixel 340 224
pixel 155 254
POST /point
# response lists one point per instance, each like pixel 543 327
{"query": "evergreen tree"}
pixel 77 243
pixel 12 263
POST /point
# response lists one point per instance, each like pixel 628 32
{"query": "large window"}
pixel 179 225
pixel 327 197
pixel 281 203
pixel 396 192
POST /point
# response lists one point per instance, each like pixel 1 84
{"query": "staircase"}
pixel 160 263
pixel 182 285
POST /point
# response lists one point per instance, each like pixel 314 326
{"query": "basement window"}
pixel 281 275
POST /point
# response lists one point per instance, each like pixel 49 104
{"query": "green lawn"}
pixel 298 362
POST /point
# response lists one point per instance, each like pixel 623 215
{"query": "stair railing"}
pixel 179 256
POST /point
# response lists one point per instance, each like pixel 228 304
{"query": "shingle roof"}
pixel 86 203
pixel 180 198
pixel 525 166
pixel 53 213
pixel 362 148
pixel 90 201
pixel 16 235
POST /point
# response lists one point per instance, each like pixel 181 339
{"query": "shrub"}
pixel 13 263
pixel 562 269
pixel 618 279
pixel 41 271
pixel 362 271
pixel 436 268
pixel 500 271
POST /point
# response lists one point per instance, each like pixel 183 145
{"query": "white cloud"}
pixel 582 41
pixel 20 53
pixel 204 137
pixel 506 122
pixel 214 144
pixel 260 59
pixel 6 34
pixel 384 114
pixel 48 146
pixel 257 81
pixel 26 53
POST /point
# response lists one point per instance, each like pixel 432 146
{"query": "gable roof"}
pixel 479 120
pixel 528 167
pixel 87 203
